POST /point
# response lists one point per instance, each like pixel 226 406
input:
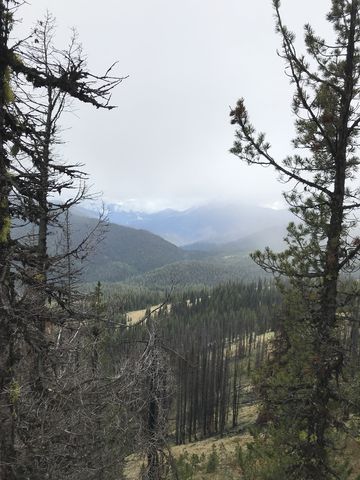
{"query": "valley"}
pixel 140 258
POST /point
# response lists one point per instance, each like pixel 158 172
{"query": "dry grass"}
pixel 225 446
pixel 135 316
pixel 138 315
pixel 352 454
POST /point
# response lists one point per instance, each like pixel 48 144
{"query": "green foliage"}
pixel 213 461
pixel 188 465
pixel 263 460
pixel 5 229
pixel 97 299
pixel 302 387
pixel 193 466
pixel 123 298
pixel 14 391
pixel 285 443
pixel 260 460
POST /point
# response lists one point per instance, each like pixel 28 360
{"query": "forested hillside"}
pixel 140 258
pixel 123 252
pixel 214 340
pixel 210 271
pixel 223 346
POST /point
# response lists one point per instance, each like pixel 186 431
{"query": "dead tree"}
pixel 23 267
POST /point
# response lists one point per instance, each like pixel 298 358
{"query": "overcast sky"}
pixel 166 145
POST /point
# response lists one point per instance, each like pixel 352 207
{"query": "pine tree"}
pixel 322 246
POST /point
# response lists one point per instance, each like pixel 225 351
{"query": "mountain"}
pixel 270 237
pixel 114 253
pixel 137 256
pixel 224 236
pixel 214 223
pixel 124 251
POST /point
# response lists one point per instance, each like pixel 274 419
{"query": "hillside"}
pixel 141 258
pixel 209 272
pixel 123 251
pixel 138 257
pixel 271 237
pixel 221 458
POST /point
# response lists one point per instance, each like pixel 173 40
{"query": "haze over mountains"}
pixel 213 223
pixel 210 244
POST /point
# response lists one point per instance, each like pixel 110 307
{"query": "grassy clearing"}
pixel 213 458
pixel 139 315
pixel 217 458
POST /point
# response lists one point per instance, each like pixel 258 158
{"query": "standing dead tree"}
pixel 156 400
pixel 27 133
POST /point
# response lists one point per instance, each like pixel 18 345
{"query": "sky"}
pixel 167 144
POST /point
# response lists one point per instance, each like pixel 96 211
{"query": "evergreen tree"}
pixel 323 245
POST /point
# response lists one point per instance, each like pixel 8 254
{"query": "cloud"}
pixel 167 143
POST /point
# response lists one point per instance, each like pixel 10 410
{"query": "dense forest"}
pixel 178 346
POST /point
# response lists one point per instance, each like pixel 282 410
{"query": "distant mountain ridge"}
pixel 139 257
pixel 213 223
pixel 272 237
